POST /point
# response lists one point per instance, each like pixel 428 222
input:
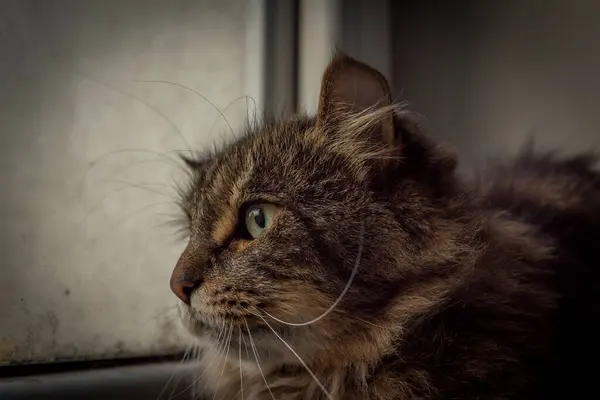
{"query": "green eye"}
pixel 258 218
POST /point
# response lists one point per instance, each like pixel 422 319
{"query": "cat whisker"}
pixel 186 355
pixel 152 160
pixel 228 346
pixel 142 185
pixel 161 155
pixel 364 321
pixel 220 345
pixel 177 236
pixel 254 120
pixel 173 237
pixel 123 169
pixel 227 108
pixel 127 185
pixel 246 348
pixel 127 217
pixel 312 374
pixel 134 97
pixel 220 336
pixel 190 386
pixel 240 356
pixel 252 345
pixel 96 162
pixel 340 297
pixel 195 92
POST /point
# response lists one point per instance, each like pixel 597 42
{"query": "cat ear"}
pixel 349 88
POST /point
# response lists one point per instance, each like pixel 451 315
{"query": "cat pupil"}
pixel 259 217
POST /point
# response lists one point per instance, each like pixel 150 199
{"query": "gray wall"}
pixel 86 254
pixel 490 74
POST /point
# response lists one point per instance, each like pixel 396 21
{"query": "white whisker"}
pixel 240 355
pixel 187 353
pixel 196 93
pixel 246 347
pixel 257 359
pixel 192 385
pixel 227 345
pixel 340 297
pixel 174 385
pixel 317 381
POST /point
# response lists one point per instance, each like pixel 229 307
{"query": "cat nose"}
pixel 183 286
pixel 188 274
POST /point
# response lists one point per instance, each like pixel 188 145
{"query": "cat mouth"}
pixel 248 337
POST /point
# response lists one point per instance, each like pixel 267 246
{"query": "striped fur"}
pixel 465 290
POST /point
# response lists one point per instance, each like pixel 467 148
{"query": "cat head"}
pixel 326 232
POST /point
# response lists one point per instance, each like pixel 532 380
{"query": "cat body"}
pixel 341 257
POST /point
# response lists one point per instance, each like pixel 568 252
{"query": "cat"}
pixel 341 256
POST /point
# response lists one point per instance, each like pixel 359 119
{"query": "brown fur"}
pixel 463 291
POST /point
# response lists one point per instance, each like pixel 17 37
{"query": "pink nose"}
pixel 188 274
pixel 183 287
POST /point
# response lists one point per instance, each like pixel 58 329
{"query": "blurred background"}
pixel 97 98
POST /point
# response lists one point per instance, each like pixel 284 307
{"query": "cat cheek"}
pixel 298 302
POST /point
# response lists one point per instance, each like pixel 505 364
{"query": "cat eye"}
pixel 258 218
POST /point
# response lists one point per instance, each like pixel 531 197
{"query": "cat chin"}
pixel 231 337
pixel 233 344
pixel 271 353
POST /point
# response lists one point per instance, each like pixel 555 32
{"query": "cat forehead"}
pixel 276 156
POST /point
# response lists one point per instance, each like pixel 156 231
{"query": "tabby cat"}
pixel 341 257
